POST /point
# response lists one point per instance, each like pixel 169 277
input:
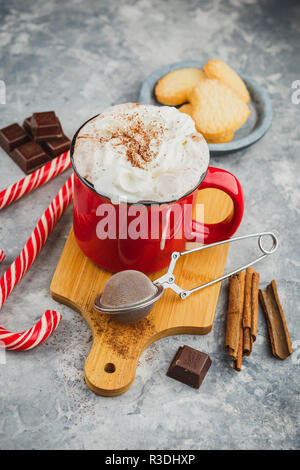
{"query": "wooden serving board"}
pixel 111 365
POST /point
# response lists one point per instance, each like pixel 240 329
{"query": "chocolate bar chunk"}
pixel 189 366
pixel 27 125
pixel 56 147
pixel 29 157
pixel 45 126
pixel 12 136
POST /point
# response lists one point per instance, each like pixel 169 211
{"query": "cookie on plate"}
pixel 218 139
pixel 216 109
pixel 186 108
pixel 174 87
pixel 221 138
pixel 223 72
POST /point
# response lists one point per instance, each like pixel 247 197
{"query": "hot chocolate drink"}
pixel 136 152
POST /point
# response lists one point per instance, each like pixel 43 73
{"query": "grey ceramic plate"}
pixel 256 126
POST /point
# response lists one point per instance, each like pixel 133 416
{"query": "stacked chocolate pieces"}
pixel 39 140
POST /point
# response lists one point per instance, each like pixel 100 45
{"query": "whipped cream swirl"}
pixel 135 152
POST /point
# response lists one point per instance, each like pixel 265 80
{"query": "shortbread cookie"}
pixel 218 139
pixel 224 73
pixel 221 139
pixel 216 108
pixel 174 87
pixel 186 108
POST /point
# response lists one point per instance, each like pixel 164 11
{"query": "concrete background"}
pixel 77 58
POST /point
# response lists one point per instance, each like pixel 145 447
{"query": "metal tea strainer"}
pixel 130 295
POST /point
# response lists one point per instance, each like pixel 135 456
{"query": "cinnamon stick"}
pixel 254 305
pixel 247 314
pixel 278 331
pixel 237 362
pixel 247 348
pixel 247 303
pixel 233 316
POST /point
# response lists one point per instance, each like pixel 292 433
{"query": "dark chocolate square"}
pixel 27 124
pixel 56 147
pixel 46 126
pixel 29 157
pixel 12 136
pixel 189 366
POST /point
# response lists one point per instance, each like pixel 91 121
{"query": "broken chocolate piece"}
pixel 12 136
pixel 278 332
pixel 45 126
pixel 56 147
pixel 189 366
pixel 27 125
pixel 29 157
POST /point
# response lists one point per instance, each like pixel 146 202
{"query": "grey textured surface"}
pixel 77 58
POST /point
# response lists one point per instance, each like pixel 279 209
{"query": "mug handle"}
pixel 227 182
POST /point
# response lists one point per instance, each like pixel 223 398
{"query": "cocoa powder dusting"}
pixel 121 338
pixel 137 138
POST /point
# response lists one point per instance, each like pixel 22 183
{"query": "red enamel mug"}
pixel 147 250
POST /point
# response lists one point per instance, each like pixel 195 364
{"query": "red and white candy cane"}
pixel 2 256
pixel 31 182
pixel 44 328
pixel 36 179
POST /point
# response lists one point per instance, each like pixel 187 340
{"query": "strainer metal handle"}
pixel 168 279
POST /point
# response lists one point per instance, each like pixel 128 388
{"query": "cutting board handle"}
pixel 105 376
pixel 110 372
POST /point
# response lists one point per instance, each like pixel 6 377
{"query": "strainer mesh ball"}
pixel 127 288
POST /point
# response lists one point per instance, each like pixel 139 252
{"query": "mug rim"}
pixel 92 188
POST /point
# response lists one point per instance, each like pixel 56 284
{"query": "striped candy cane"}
pixel 2 256
pixel 36 179
pixel 44 328
pixel 31 338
